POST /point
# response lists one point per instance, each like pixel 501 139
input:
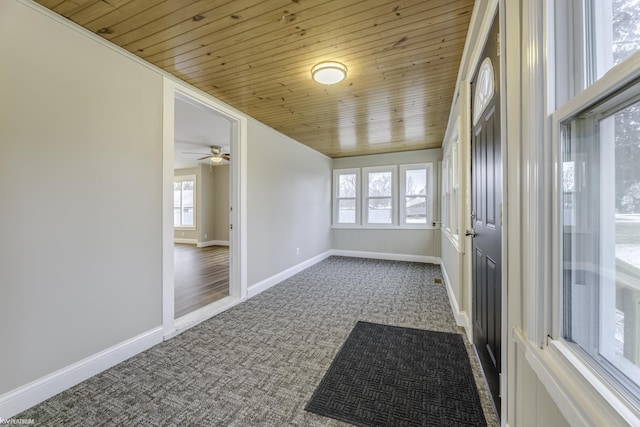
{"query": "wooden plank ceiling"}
pixel 256 55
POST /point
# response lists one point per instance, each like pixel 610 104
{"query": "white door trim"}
pixel 238 216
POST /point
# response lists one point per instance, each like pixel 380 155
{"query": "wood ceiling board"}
pixel 288 47
pixel 402 58
pixel 281 33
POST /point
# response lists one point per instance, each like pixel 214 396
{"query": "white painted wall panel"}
pixel 81 187
pixel 289 203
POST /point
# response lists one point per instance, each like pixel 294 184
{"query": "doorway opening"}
pixel 203 188
pixel 201 194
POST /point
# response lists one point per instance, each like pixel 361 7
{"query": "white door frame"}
pixel 238 217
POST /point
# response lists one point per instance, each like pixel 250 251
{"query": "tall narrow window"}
pixel 379 195
pixel 601 236
pixel 415 189
pixel 184 201
pixel 454 181
pixel 446 193
pixel 346 190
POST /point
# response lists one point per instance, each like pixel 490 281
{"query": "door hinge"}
pixel 498 45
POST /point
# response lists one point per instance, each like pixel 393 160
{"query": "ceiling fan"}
pixel 216 156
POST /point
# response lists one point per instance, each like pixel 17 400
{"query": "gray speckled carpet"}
pixel 260 362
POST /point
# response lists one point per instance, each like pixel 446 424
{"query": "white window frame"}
pixel 428 168
pixel 182 178
pixel 446 194
pixel 584 395
pixel 393 169
pixel 454 183
pixel 336 204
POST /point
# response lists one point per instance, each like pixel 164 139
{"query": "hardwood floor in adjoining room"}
pixel 201 276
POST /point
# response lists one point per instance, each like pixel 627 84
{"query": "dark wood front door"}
pixel 486 200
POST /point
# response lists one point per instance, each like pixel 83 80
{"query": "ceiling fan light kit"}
pixel 329 72
pixel 216 155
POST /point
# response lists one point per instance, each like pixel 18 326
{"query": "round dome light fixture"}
pixel 328 73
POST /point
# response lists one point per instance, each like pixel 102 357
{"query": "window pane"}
pixel 187 193
pixel 416 210
pixel 626 29
pixel 347 211
pixel 176 194
pixel 379 184
pixel 187 216
pixel 347 185
pixel 416 182
pixel 601 223
pixel 379 211
pixel 176 217
pixel 617 31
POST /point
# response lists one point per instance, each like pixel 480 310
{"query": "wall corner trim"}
pixel 22 398
pixel 265 284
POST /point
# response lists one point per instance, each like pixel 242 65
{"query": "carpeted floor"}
pixel 260 362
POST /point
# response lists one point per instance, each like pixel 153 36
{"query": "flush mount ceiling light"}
pixel 329 73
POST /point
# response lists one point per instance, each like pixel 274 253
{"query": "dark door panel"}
pixel 486 194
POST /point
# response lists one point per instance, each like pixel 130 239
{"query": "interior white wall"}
pixel 288 203
pixel 397 241
pixel 81 168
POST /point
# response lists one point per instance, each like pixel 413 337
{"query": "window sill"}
pixel 582 396
pixel 184 228
pixel 454 239
pixel 384 227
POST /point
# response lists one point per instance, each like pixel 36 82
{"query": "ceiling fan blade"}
pixel 226 156
pixel 205 157
pixel 191 152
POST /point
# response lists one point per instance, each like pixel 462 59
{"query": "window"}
pixel 601 235
pixel 451 184
pixel 484 89
pixel 415 187
pixel 379 195
pixel 383 200
pixel 613 34
pixel 454 181
pixel 184 201
pixel 446 192
pixel 346 190
pixel 599 197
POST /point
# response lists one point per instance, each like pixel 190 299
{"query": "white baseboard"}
pixel 388 256
pixel 213 243
pixel 22 398
pixel 462 319
pixel 263 285
pixel 185 241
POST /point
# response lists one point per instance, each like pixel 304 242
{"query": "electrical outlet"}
pixel 297 251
